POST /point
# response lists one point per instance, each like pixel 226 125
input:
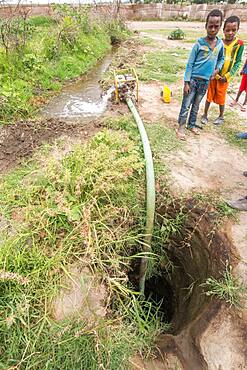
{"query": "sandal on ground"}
pixel 233 103
pixel 243 109
pixel 194 130
pixel 180 135
pixel 204 120
pixel 219 121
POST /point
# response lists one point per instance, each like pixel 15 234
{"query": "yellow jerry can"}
pixel 166 93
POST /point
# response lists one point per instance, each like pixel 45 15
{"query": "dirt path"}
pixel 205 163
pixel 163 25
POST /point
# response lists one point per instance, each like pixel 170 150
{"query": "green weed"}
pixel 41 21
pixel 233 125
pixel 86 207
pixel 57 49
pixel 216 203
pixel 177 34
pixel 228 288
pixel 163 141
pixel 162 66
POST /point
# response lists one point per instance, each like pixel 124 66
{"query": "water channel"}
pixel 83 99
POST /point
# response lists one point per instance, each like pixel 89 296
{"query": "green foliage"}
pixel 163 65
pixel 177 34
pixel 163 140
pixel 15 32
pixel 213 200
pixel 85 207
pixel 40 21
pixel 55 49
pixel 228 288
pixel 117 31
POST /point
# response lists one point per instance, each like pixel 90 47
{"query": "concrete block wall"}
pixel 146 11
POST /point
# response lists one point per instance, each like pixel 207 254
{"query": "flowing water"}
pixel 83 99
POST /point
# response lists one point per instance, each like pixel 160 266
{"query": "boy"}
pixel 242 87
pixel 233 50
pixel 205 61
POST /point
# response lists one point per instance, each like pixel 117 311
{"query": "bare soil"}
pixel 83 295
pixel 206 163
pixel 20 140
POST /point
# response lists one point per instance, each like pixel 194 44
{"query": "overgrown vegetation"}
pixel 229 288
pixel 38 54
pixel 162 65
pixel 87 208
pixel 177 34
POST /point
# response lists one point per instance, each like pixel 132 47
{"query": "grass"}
pixel 86 207
pixel 162 66
pixel 56 50
pixel 228 288
pixel 191 35
pixel 215 201
pixel 163 141
pixel 231 127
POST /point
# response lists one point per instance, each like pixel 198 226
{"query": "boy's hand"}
pixel 223 79
pixel 186 88
pixel 214 74
pixel 242 72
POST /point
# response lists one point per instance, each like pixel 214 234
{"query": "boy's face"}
pixel 213 27
pixel 230 31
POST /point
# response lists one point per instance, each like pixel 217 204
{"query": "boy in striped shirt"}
pixel 233 50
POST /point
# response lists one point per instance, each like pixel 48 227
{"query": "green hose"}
pixel 150 193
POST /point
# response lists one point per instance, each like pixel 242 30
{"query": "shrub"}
pixel 177 34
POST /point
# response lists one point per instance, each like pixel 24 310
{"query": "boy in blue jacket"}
pixel 205 61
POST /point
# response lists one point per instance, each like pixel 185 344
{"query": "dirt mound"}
pixel 19 141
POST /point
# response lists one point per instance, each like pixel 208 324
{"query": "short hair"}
pixel 215 13
pixel 232 19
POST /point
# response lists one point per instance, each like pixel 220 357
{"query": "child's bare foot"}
pixel 194 130
pixel 180 135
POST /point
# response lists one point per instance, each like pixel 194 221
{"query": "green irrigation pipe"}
pixel 150 193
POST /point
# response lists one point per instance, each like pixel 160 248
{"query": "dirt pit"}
pixel 20 140
pixel 197 251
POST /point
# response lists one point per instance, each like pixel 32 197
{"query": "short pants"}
pixel 217 91
pixel 243 85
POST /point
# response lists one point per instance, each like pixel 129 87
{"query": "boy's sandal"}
pixel 180 135
pixel 243 109
pixel 219 121
pixel 194 131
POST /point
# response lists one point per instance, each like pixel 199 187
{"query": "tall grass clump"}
pixel 38 54
pixel 228 288
pixel 84 208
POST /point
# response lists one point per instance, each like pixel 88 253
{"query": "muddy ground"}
pixel 20 140
pixel 205 163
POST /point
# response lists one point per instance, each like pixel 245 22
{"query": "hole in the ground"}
pixel 197 249
pixel 159 290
